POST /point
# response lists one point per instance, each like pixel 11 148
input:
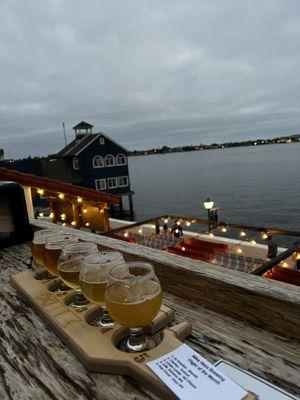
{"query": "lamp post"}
pixel 208 205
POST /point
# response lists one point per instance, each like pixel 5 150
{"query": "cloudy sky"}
pixel 148 73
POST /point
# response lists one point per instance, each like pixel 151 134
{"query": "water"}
pixel 251 185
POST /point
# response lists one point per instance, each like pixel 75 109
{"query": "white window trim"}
pixel 123 155
pixel 112 187
pixel 101 141
pixel 110 165
pixel 98 166
pixel 122 177
pixel 75 163
pixel 98 183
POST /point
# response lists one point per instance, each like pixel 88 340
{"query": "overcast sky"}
pixel 148 73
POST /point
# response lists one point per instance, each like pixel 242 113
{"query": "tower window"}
pixel 101 140
pixel 75 163
pixel 98 162
pixel 121 159
pixel 109 160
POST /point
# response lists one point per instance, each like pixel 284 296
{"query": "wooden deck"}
pixel 245 320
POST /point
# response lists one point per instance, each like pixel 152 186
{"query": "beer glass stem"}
pixel 80 300
pixel 137 340
pixel 106 320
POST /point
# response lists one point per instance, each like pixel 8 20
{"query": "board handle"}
pixel 182 330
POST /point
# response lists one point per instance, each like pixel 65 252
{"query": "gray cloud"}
pixel 148 73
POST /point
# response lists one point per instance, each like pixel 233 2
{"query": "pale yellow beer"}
pixel 69 272
pixel 53 248
pixel 135 307
pixel 94 291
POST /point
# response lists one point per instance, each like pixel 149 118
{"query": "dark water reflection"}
pixel 253 185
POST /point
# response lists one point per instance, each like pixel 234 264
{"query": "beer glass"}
pixel 68 267
pixel 38 244
pixel 93 278
pixel 133 299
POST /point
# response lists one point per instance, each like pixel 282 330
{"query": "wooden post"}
pixel 105 217
pixel 121 203
pixel 130 203
pixel 28 200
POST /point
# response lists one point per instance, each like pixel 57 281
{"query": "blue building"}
pixel 96 161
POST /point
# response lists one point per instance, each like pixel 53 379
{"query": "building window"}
pixel 100 184
pixel 75 163
pixel 102 141
pixel 121 159
pixel 112 183
pixel 109 160
pixel 123 181
pixel 98 162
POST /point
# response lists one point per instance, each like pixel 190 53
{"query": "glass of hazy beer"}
pixel 68 267
pixel 133 299
pixel 93 279
pixel 52 252
pixel 38 245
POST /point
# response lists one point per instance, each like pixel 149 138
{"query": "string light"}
pixel 79 199
pixel 41 214
pixel 126 234
pixel 183 248
pixel 284 265
pixel 176 230
pixel 239 250
pixel 102 210
pixel 242 234
pixel 64 224
pixel 73 223
pixel 51 215
pixel 252 241
pixel 178 223
pixel 188 223
pixel 87 224
pixel 223 229
pixel 210 234
pixel 297 256
pixel 264 235
pixel 41 191
pixel 166 220
pixel 61 196
pixel 140 230
pixel 153 226
pixel 63 216
pixel 84 210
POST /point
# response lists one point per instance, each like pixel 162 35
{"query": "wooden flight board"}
pixel 97 347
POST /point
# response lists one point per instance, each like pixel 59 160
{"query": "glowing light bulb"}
pixel 64 224
pixel 183 248
pixel 239 250
pixel 252 241
pixel 41 191
pixel 87 224
pixel 153 226
pixel 223 229
pixel 102 210
pixel 140 230
pixel 41 214
pixel 176 230
pixel 242 234
pixel 178 223
pixel 126 234
pixel 73 223
pixel 63 216
pixel 84 211
pixel 188 223
pixel 51 215
pixel 284 265
pixel 166 220
pixel 298 256
pixel 61 196
pixel 210 234
pixel 79 199
pixel 264 235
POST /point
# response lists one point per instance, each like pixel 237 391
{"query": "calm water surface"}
pixel 253 185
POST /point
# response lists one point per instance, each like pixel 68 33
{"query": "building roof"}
pixel 53 185
pixel 78 145
pixel 83 125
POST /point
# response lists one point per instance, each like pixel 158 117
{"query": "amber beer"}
pixel 133 308
pixel 94 291
pixel 37 251
pixel 69 272
pixel 53 250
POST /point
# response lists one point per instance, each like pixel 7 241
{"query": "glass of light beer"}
pixel 133 299
pixel 52 252
pixel 93 279
pixel 68 267
pixel 38 245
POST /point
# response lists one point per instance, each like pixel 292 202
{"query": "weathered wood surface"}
pixel 35 364
pixel 260 301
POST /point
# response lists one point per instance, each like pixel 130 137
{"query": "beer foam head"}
pixel 56 242
pixel 41 236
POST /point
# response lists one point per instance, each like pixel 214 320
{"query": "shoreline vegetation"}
pixel 213 146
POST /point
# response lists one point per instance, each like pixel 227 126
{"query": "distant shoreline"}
pixel 201 147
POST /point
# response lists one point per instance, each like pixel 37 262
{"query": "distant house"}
pixel 96 161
